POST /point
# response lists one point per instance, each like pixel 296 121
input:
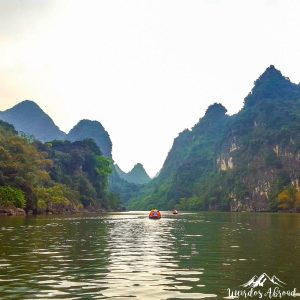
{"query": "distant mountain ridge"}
pixel 29 118
pixel 137 175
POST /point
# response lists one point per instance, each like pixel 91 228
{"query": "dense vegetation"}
pixel 31 121
pixel 248 161
pixel 57 176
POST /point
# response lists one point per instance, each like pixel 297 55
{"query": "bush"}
pixel 12 197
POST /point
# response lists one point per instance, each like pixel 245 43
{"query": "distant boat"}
pixel 154 214
pixel 175 212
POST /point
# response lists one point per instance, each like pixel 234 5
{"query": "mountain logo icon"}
pixel 261 280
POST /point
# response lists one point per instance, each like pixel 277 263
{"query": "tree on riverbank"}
pixel 11 197
pixel 289 199
pixel 54 176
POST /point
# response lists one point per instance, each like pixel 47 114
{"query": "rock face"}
pixel 29 118
pixel 240 162
pixel 12 212
pixel 137 175
pixel 87 129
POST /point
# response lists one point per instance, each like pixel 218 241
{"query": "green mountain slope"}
pixel 58 176
pixel 87 129
pixel 240 162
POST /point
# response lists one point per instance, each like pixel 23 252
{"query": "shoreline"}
pixel 17 212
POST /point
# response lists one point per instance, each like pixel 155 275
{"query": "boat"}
pixel 174 212
pixel 154 214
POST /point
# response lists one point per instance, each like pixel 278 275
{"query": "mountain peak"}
pixel 271 84
pixel 29 118
pixel 138 166
pixel 137 175
pixel 216 109
pixel 88 129
pixel 26 106
pixel 86 122
pixel 271 73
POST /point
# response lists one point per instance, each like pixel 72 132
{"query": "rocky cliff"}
pixel 244 162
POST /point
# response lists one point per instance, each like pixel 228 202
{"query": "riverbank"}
pixel 13 211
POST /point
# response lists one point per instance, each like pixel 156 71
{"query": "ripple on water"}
pixel 124 256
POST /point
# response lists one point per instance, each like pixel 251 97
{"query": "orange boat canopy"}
pixel 154 214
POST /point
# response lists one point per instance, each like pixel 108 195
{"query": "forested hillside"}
pixel 53 177
pixel 30 120
pixel 248 161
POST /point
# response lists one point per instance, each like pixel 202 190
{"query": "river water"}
pixel 128 256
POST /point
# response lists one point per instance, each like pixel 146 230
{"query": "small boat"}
pixel 174 212
pixel 154 214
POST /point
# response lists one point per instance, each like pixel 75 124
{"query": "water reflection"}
pixel 142 262
pixel 128 256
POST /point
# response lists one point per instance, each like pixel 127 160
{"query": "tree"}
pixel 12 197
pixel 289 199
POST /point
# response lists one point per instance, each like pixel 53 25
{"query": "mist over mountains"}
pixel 29 118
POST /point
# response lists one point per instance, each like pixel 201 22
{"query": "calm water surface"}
pixel 128 256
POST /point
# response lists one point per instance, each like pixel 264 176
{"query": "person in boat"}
pixel 151 213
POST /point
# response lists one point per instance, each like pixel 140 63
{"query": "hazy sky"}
pixel 145 69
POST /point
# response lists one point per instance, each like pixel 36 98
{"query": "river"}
pixel 128 256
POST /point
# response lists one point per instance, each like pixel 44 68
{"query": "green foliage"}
pixel 59 194
pixel 54 175
pixel 81 166
pixel 22 165
pixel 262 141
pixel 289 199
pixel 11 197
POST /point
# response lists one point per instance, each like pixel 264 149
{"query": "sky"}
pixel 145 69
